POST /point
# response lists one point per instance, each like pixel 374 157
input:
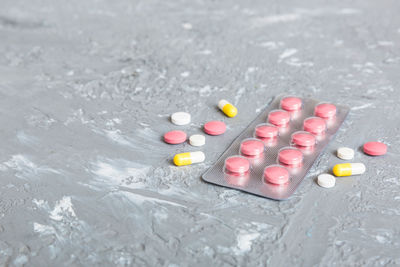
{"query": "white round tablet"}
pixel 345 153
pixel 180 118
pixel 326 180
pixel 197 140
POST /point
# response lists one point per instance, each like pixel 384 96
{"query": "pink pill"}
pixel 214 127
pixel 266 131
pixel 252 147
pixel 276 174
pixel 290 156
pixel 175 137
pixel 304 139
pixel 291 103
pixel 375 148
pixel 279 117
pixel 325 110
pixel 237 164
pixel 315 125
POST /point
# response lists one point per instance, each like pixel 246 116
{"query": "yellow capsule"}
pixel 347 169
pixel 189 158
pixel 227 108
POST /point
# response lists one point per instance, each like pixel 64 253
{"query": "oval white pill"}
pixel 197 140
pixel 326 180
pixel 345 153
pixel 180 118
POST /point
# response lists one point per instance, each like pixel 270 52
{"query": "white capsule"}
pixel 345 153
pixel 197 140
pixel 189 158
pixel 180 118
pixel 347 169
pixel 326 180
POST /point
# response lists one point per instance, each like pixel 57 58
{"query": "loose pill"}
pixel 291 103
pixel 375 148
pixel 180 118
pixel 197 140
pixel 290 156
pixel 325 110
pixel 189 158
pixel 326 180
pixel 276 174
pixel 214 127
pixel 347 169
pixel 314 125
pixel 252 147
pixel 345 153
pixel 237 164
pixel 279 118
pixel 227 108
pixel 175 137
pixel 303 139
pixel 266 131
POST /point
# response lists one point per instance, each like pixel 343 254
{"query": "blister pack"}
pixel 274 153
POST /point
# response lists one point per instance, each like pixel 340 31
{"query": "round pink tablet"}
pixel 325 110
pixel 276 174
pixel 237 164
pixel 290 156
pixel 175 137
pixel 279 117
pixel 375 148
pixel 252 147
pixel 266 131
pixel 214 127
pixel 315 125
pixel 291 103
pixel 303 139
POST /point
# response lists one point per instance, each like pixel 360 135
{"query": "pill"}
pixel 279 118
pixel 276 174
pixel 237 164
pixel 266 130
pixel 252 147
pixel 227 108
pixel 304 139
pixel 325 110
pixel 375 148
pixel 180 118
pixel 189 158
pixel 314 125
pixel 197 140
pixel 214 127
pixel 175 137
pixel 345 153
pixel 290 156
pixel 347 169
pixel 291 103
pixel 326 180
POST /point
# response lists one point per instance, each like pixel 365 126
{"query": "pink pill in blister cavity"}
pixel 266 131
pixel 175 137
pixel 276 174
pixel 279 118
pixel 252 147
pixel 375 148
pixel 291 103
pixel 304 139
pixel 290 156
pixel 237 164
pixel 325 110
pixel 314 125
pixel 214 127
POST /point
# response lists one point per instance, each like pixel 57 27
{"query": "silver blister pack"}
pixel 252 181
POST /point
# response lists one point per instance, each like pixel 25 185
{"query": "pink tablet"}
pixel 279 117
pixel 266 131
pixel 291 103
pixel 304 139
pixel 252 147
pixel 175 137
pixel 214 127
pixel 237 164
pixel 290 156
pixel 375 148
pixel 325 110
pixel 315 125
pixel 276 174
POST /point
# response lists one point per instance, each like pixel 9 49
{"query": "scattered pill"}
pixel 347 169
pixel 214 127
pixel 197 140
pixel 326 180
pixel 266 130
pixel 375 148
pixel 325 110
pixel 252 147
pixel 345 153
pixel 227 108
pixel 304 139
pixel 180 118
pixel 291 103
pixel 279 118
pixel 290 156
pixel 175 137
pixel 237 164
pixel 276 174
pixel 189 158
pixel 314 125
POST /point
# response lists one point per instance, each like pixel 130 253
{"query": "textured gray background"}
pixel 87 88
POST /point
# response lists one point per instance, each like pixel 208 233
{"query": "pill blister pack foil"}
pixel 253 182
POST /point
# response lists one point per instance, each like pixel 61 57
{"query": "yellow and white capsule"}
pixel 347 169
pixel 189 158
pixel 227 108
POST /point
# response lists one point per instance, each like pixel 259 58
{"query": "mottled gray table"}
pixel 87 88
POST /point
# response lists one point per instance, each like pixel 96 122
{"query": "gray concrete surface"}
pixel 87 88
